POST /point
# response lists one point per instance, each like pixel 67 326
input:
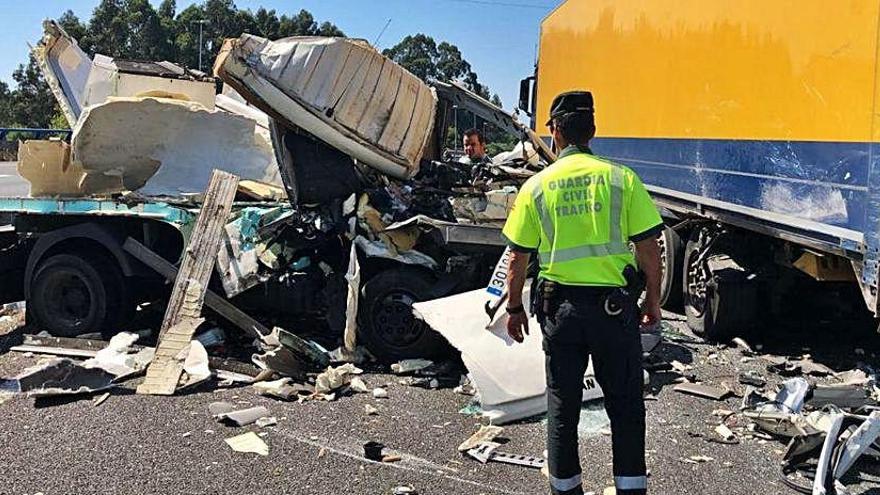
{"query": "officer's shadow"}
pixel 660 370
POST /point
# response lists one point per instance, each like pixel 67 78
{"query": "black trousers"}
pixel 576 328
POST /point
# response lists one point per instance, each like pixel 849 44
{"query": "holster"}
pixel 619 300
pixel 544 300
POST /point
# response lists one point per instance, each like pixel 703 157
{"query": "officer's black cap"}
pixel 571 102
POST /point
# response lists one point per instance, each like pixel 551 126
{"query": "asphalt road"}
pixel 11 184
pixel 171 445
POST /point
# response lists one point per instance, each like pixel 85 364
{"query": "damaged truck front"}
pixel 345 215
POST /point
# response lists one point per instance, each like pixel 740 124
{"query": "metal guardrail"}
pixel 33 133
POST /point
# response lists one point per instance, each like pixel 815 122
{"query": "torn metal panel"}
pixel 119 359
pixel 455 233
pixel 858 443
pixel 241 417
pixel 843 396
pixel 705 391
pixel 171 146
pixel 78 82
pixel 66 68
pixel 248 442
pixel 110 77
pixel 335 89
pixel 486 433
pixel 509 377
pixel 820 482
pixel 490 207
pixel 60 376
pixel 378 249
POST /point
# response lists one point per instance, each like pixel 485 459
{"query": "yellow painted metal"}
pixel 746 69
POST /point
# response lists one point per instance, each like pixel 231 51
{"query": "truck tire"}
pixel 671 256
pixel 72 294
pixel 389 329
pixel 719 302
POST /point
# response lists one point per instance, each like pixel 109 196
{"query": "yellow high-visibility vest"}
pixel 579 215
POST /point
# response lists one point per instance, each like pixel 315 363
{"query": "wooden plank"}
pixel 214 301
pixel 182 316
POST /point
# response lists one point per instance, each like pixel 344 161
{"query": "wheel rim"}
pixel 395 324
pixel 697 282
pixel 69 297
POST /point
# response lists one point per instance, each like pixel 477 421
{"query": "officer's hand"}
pixel 516 325
pixel 651 315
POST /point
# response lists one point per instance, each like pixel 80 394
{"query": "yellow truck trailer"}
pixel 753 124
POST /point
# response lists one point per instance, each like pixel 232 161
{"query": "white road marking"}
pixel 433 469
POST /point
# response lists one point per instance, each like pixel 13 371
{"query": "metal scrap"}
pixel 248 442
pixel 484 434
pixel 704 391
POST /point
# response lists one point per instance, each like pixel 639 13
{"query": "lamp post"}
pixel 201 23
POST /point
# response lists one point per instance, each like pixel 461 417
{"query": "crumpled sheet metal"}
pixel 340 90
pixel 60 376
pixel 378 249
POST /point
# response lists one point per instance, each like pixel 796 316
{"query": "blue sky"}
pixel 498 37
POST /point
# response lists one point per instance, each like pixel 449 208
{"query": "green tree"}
pixel 108 30
pixel 33 104
pixel 134 29
pixel 422 56
pixel 166 12
pixel 6 115
pixel 72 25
pixel 268 25
pixel 147 39
pixel 417 54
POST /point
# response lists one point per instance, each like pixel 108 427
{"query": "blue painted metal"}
pixel 31 133
pixel 814 181
pixel 95 207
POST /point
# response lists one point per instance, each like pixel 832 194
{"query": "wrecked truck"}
pixel 342 184
pixel 763 167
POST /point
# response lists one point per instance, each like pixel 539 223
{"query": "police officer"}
pixel 578 214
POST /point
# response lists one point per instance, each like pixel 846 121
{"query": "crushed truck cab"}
pixel 344 203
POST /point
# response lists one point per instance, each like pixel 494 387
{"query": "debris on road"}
pixel 100 399
pixel 380 393
pixel 705 391
pixel 487 452
pixel 283 388
pixel 333 379
pixel 357 385
pixel 266 421
pixel 486 433
pixel 370 410
pixel 752 378
pixel 373 451
pixel 242 417
pixel 59 376
pixel 248 442
pixel 410 366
